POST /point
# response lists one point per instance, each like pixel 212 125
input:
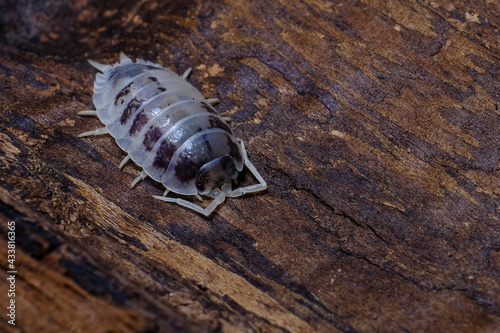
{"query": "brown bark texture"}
pixel 375 124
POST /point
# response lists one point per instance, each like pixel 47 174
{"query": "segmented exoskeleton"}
pixel 169 129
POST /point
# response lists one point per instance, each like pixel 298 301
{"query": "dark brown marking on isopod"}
pixel 186 168
pixel 152 135
pixel 202 179
pixel 162 89
pixel 125 91
pixel 234 150
pixel 140 120
pixel 208 108
pixel 164 154
pixel 207 144
pixel 132 106
pixel 216 122
pixel 228 165
pixel 227 169
pixel 216 173
pixel 152 78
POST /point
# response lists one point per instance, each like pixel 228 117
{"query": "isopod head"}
pixel 216 174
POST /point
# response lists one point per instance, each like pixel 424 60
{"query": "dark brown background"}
pixel 375 123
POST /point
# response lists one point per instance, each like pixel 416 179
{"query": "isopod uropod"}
pixel 170 130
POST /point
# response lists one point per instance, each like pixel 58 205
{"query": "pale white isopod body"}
pixel 169 129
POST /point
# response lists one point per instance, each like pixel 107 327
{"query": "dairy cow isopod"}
pixel 170 130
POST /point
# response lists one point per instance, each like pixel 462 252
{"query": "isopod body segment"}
pixel 170 130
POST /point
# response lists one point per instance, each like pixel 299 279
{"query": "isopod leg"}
pixel 204 211
pixel 124 161
pixel 186 73
pixel 92 113
pixel 141 176
pixel 251 188
pixel 213 101
pixel 97 131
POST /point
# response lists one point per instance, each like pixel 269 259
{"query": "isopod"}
pixel 170 130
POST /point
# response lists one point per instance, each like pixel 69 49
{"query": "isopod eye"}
pixel 215 174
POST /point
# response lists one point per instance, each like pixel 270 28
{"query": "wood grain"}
pixel 375 124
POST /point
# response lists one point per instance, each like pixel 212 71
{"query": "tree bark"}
pixel 374 123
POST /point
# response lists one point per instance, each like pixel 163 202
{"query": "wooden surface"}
pixel 375 123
